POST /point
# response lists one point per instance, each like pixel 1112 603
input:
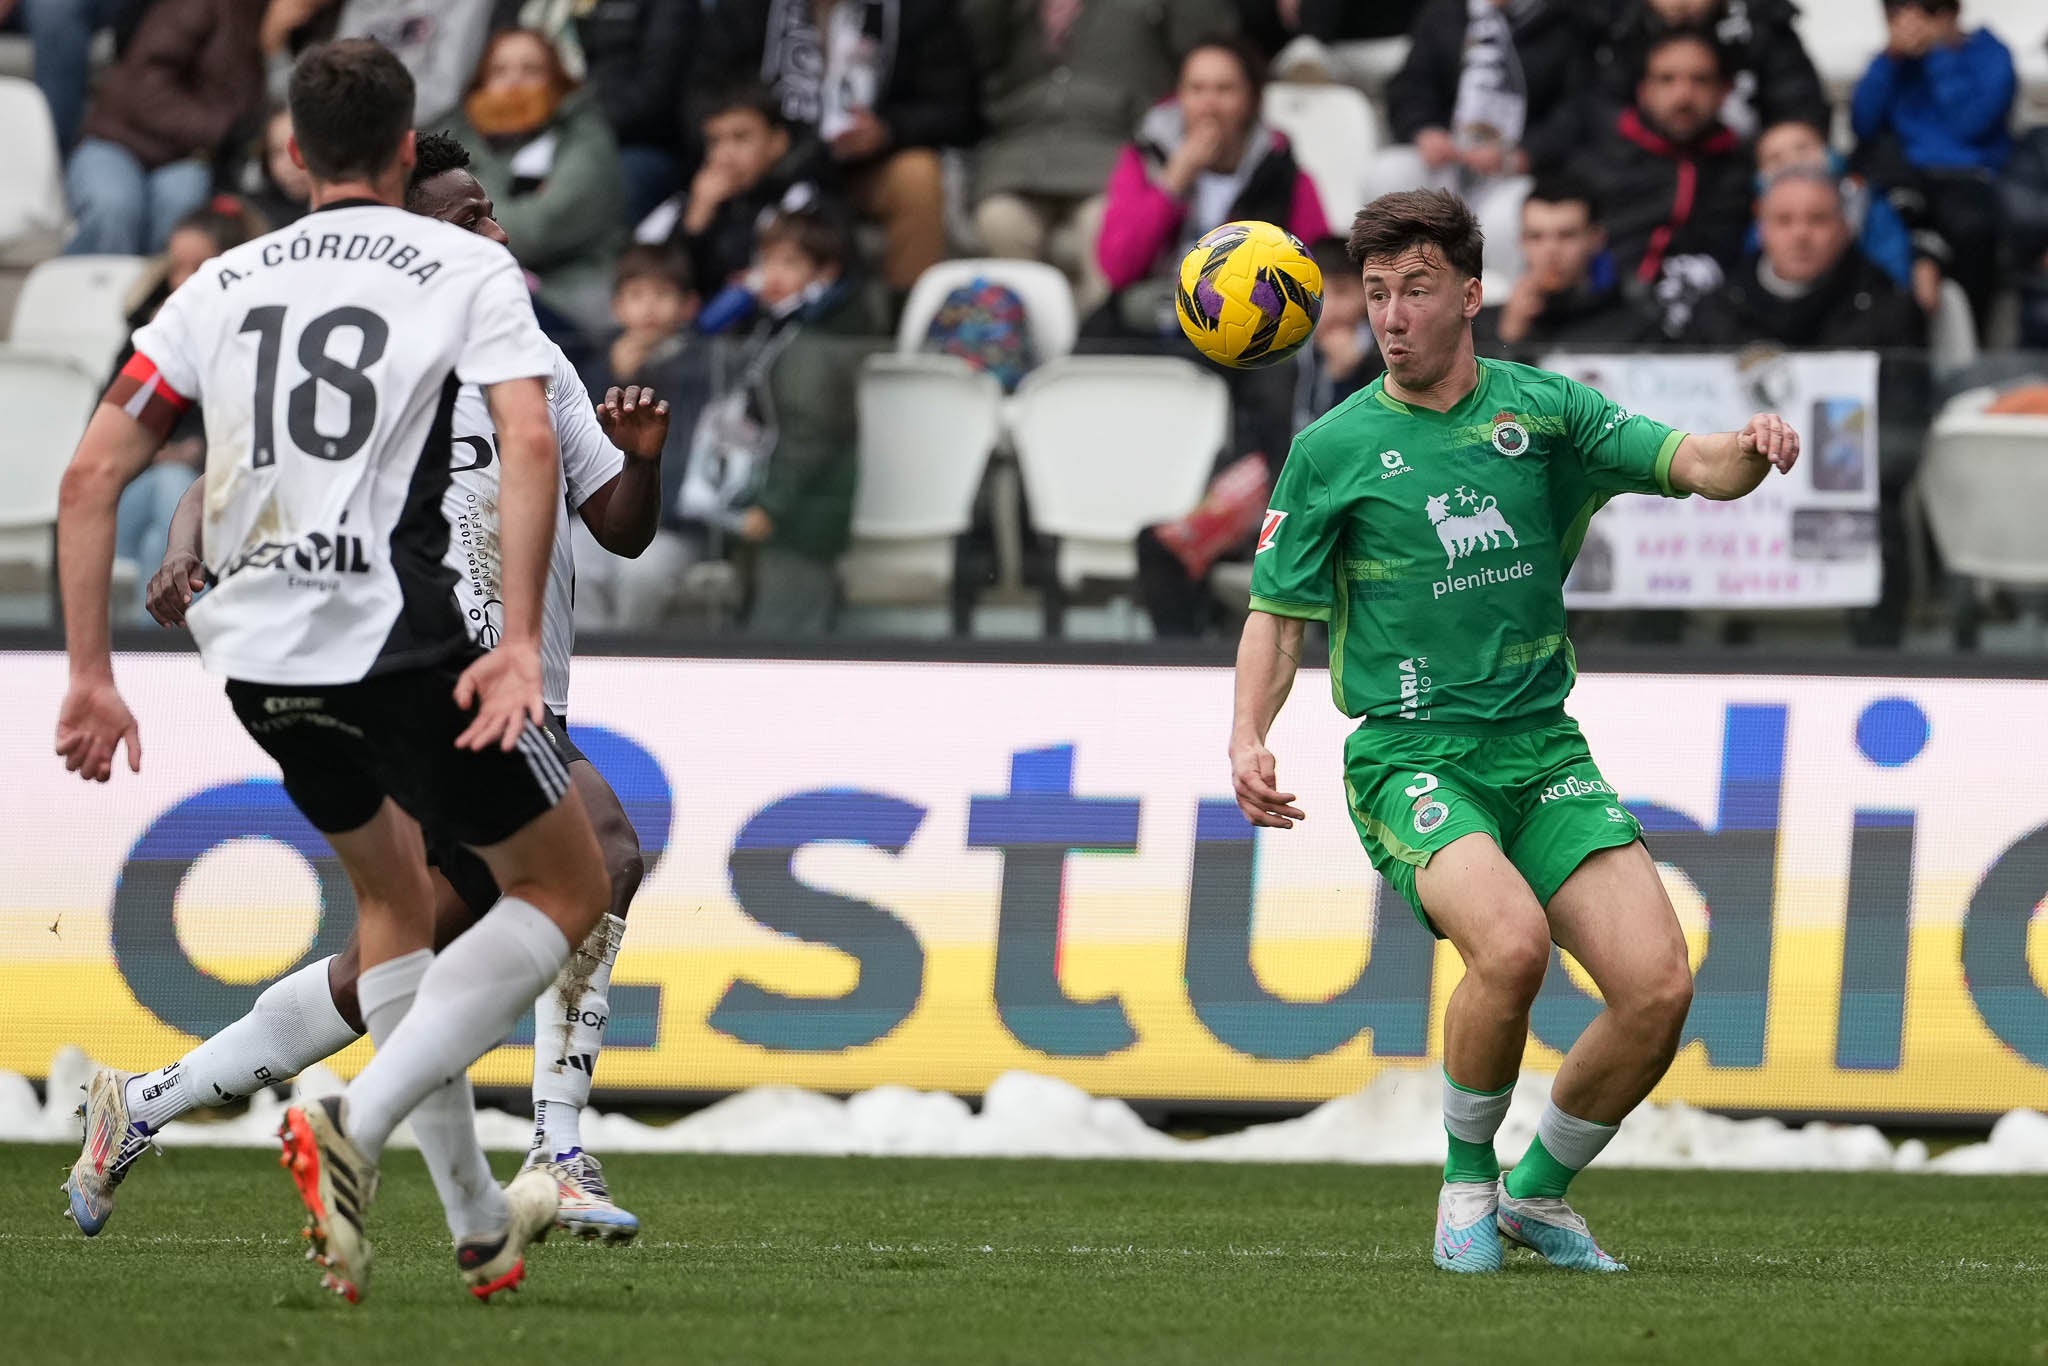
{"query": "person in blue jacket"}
pixel 1932 121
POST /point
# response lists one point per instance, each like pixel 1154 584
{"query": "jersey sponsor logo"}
pixel 1274 517
pixel 1394 463
pixel 1575 786
pixel 1477 525
pixel 1415 685
pixel 1510 437
pixel 317 553
pixel 1481 577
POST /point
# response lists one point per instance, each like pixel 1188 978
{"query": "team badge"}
pixel 1429 814
pixel 1510 437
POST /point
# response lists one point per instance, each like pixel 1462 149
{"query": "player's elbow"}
pixel 91 481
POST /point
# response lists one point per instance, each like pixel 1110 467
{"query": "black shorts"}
pixel 467 873
pixel 344 748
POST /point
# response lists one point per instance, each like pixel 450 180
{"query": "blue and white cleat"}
pixel 587 1209
pixel 1553 1230
pixel 112 1143
pixel 1467 1236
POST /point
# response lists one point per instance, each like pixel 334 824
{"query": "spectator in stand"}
pixel 752 168
pixel 1931 117
pixel 142 522
pixel 1880 233
pixel 189 77
pixel 273 184
pixel 884 85
pixel 1810 286
pixel 1343 357
pixel 632 55
pixel 1487 94
pixel 438 40
pixel 654 301
pixel 1064 83
pixel 1773 78
pixel 1569 292
pixel 1202 159
pixel 2026 206
pixel 541 148
pixel 1673 182
pixel 61 32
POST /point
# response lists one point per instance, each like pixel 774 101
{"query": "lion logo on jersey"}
pixel 1478 528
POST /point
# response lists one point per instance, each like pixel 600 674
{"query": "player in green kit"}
pixel 1430 520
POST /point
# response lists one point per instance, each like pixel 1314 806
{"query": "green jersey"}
pixel 1436 545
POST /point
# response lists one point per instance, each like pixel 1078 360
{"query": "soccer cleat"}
pixel 336 1183
pixel 112 1143
pixel 1553 1230
pixel 587 1209
pixel 498 1261
pixel 1467 1239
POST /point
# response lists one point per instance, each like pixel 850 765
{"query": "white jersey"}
pixel 589 462
pixel 327 358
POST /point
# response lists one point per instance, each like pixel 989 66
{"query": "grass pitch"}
pixel 798 1260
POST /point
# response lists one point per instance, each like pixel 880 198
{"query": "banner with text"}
pixel 1804 540
pixel 928 874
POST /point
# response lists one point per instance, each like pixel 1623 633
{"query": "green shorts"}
pixel 1538 794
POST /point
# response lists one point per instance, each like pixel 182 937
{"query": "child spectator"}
pixel 541 148
pixel 752 168
pixel 1931 117
pixel 1343 357
pixel 273 184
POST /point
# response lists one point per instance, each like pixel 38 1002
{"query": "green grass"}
pixel 860 1260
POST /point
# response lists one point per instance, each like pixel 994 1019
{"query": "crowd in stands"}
pixel 707 193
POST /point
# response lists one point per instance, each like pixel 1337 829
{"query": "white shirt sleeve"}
pixel 589 459
pixel 170 338
pixel 503 342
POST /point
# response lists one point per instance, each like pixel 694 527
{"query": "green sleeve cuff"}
pixel 1666 453
pixel 1306 611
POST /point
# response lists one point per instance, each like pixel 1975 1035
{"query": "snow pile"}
pixel 1396 1119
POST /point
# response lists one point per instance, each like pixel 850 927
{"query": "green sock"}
pixel 1470 1161
pixel 1539 1174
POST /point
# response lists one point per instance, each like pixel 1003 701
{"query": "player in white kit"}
pixel 611 476
pixel 328 357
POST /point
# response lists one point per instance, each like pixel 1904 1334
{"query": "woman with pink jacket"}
pixel 1201 159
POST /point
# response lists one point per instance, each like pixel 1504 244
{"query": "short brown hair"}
pixel 1393 223
pixel 810 232
pixel 644 262
pixel 351 106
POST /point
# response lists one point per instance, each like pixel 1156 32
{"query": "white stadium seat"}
pixel 32 213
pixel 1952 332
pixel 1981 485
pixel 1048 301
pixel 76 305
pixel 1109 445
pixel 47 399
pixel 1335 132
pixel 927 427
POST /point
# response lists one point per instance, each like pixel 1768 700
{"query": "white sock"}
pixel 569 1022
pixel 468 1001
pixel 292 1026
pixel 1474 1116
pixel 445 1121
pixel 1572 1141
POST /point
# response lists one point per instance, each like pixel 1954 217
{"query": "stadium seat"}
pixel 1952 333
pixel 47 399
pixel 1841 36
pixel 76 305
pixel 1048 301
pixel 1980 487
pixel 1335 132
pixel 927 427
pixel 1107 446
pixel 33 218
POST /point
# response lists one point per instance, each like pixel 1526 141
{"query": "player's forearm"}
pixel 1715 466
pixel 632 511
pixel 85 564
pixel 1268 655
pixel 188 524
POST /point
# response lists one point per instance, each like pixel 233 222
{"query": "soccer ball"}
pixel 1249 295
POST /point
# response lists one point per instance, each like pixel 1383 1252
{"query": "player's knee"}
pixel 1661 1000
pixel 1513 963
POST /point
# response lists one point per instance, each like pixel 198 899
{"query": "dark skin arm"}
pixel 183 573
pixel 624 513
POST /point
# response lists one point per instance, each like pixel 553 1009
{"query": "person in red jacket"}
pixel 1201 159
pixel 192 73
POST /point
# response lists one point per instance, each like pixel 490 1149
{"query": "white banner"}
pixel 1805 540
